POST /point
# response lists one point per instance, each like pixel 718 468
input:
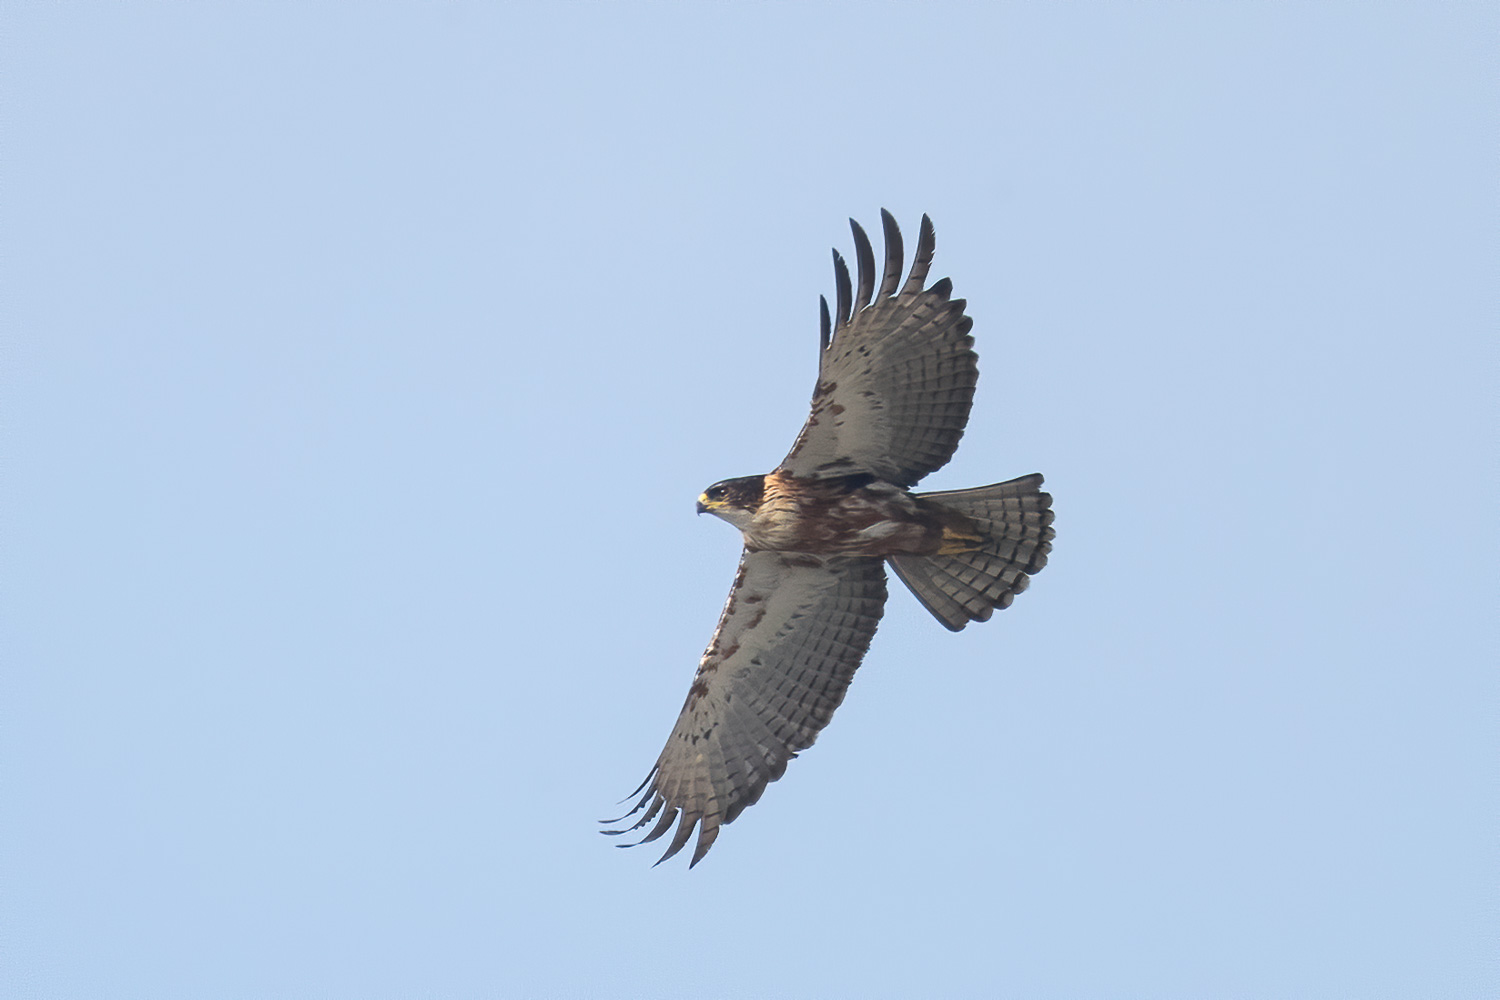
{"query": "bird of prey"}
pixel 896 375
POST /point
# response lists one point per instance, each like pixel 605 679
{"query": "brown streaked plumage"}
pixel 896 376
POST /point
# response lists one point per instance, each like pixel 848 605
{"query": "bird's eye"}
pixel 716 493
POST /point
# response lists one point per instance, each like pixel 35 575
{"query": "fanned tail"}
pixel 1015 520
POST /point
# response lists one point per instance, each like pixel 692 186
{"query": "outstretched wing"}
pixel 791 636
pixel 896 375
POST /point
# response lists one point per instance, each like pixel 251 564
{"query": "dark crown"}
pixel 746 491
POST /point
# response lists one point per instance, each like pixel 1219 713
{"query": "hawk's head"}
pixel 735 500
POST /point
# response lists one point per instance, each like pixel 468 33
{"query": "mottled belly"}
pixel 852 525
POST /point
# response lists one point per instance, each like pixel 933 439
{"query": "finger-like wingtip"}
pixel 894 254
pixel 680 838
pixel 650 814
pixel 825 324
pixel 842 287
pixel 707 834
pixel 922 262
pixel 864 257
pixel 662 826
pixel 638 790
pixel 640 804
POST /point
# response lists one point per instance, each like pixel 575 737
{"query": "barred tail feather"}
pixel 1015 519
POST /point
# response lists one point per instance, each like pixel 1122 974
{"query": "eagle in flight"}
pixel 896 375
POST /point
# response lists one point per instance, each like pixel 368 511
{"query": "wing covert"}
pixel 791 636
pixel 896 378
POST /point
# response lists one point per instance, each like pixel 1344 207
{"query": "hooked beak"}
pixel 702 507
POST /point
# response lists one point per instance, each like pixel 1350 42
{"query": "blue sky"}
pixel 361 367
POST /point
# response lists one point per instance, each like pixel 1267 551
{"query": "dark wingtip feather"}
pixel 707 834
pixel 648 817
pixel 926 243
pixel 864 256
pixel 680 838
pixel 638 789
pixel 825 325
pixel 845 294
pixel 662 826
pixel 635 808
pixel 894 254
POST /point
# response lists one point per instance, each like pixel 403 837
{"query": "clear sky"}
pixel 362 364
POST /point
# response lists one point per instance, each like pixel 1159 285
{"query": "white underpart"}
pixel 880 529
pixel 737 516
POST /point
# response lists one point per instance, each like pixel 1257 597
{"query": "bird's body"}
pixel 845 516
pixel 895 383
